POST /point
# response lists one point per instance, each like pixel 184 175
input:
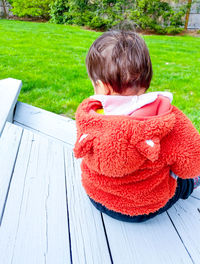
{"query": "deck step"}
pixel 9 92
pixel 45 122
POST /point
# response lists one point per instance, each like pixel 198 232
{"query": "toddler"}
pixel 140 154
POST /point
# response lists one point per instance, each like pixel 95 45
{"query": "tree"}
pixel 188 14
pixel 4 8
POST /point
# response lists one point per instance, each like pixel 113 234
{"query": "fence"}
pixel 194 18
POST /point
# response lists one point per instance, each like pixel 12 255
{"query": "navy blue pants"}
pixel 183 191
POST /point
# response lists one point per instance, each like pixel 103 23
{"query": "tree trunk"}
pixel 4 8
pixel 188 14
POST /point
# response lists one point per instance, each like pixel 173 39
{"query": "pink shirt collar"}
pixel 126 105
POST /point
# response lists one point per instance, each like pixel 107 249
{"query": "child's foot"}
pixel 196 182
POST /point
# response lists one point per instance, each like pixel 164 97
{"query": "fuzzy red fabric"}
pixel 127 160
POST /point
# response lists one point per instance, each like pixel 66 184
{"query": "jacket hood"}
pixel 116 145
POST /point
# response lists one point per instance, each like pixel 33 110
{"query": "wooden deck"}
pixel 46 216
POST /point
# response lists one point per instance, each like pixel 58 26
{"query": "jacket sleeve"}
pixel 182 147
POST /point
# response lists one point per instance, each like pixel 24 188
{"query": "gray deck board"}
pixel 155 241
pixel 88 240
pixel 45 122
pixel 10 139
pixel 48 217
pixel 34 226
pixel 185 215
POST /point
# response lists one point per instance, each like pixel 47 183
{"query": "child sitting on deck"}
pixel 140 153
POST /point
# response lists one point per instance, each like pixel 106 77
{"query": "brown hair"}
pixel 120 59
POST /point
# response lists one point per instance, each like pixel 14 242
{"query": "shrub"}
pixel 33 8
pixel 80 18
pixel 98 22
pixel 174 30
pixel 157 15
pixel 70 12
pixel 154 15
pixel 60 12
pixel 176 18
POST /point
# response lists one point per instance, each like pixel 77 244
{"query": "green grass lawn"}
pixel 50 60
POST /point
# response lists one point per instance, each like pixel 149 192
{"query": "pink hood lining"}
pixel 145 105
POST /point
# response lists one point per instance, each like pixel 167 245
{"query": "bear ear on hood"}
pixel 83 145
pixel 150 148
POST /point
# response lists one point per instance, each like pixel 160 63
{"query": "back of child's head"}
pixel 121 60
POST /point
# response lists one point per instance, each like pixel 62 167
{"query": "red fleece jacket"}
pixel 127 159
